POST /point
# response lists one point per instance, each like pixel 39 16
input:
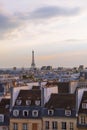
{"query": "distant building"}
pixel 46 68
pixel 2 89
pixel 83 74
pixel 81 67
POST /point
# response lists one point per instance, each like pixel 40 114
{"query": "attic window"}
pixel 35 113
pixel 68 112
pixel 25 113
pixel 84 105
pixel 50 112
pixel 37 102
pixel 1 118
pixel 15 113
pixel 18 102
pixel 28 102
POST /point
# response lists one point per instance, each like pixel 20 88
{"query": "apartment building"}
pixel 4 113
pixel 26 113
pixel 60 113
pixel 35 108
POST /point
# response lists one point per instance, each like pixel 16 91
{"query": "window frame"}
pixel 15 126
pixel 26 112
pixel 68 112
pixel 15 114
pixel 50 112
pixel 37 102
pixel 1 118
pixel 54 125
pixel 71 126
pixel 28 102
pixel 64 125
pixel 84 105
pixel 47 125
pixel 82 119
pixel 18 102
pixel 33 113
pixel 25 126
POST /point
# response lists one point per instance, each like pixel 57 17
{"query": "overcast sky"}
pixel 55 29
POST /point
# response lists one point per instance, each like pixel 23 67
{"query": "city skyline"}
pixel 55 30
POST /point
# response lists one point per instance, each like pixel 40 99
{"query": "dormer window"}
pixel 15 113
pixel 25 113
pixel 84 105
pixel 28 102
pixel 1 118
pixel 50 112
pixel 68 112
pixel 18 102
pixel 37 102
pixel 35 113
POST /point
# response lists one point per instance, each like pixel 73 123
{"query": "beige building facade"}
pixel 25 124
pixel 60 123
pixel 44 124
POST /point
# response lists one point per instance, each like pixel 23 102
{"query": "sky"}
pixel 55 29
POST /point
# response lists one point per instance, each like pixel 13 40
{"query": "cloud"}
pixel 53 11
pixel 8 23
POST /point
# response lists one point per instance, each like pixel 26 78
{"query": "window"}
pixel 25 113
pixel 35 113
pixel 54 125
pixel 15 126
pixel 67 112
pixel 18 102
pixel 50 112
pixel 15 113
pixel 82 119
pixel 84 105
pixel 71 126
pixel 37 102
pixel 25 126
pixel 63 125
pixel 1 118
pixel 46 124
pixel 28 102
pixel 7 106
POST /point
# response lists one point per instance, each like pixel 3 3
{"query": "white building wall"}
pixel 16 91
pixel 79 95
pixel 48 91
pixel 73 86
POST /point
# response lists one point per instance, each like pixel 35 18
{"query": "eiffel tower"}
pixel 33 62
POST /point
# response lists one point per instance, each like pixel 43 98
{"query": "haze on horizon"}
pixel 55 30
